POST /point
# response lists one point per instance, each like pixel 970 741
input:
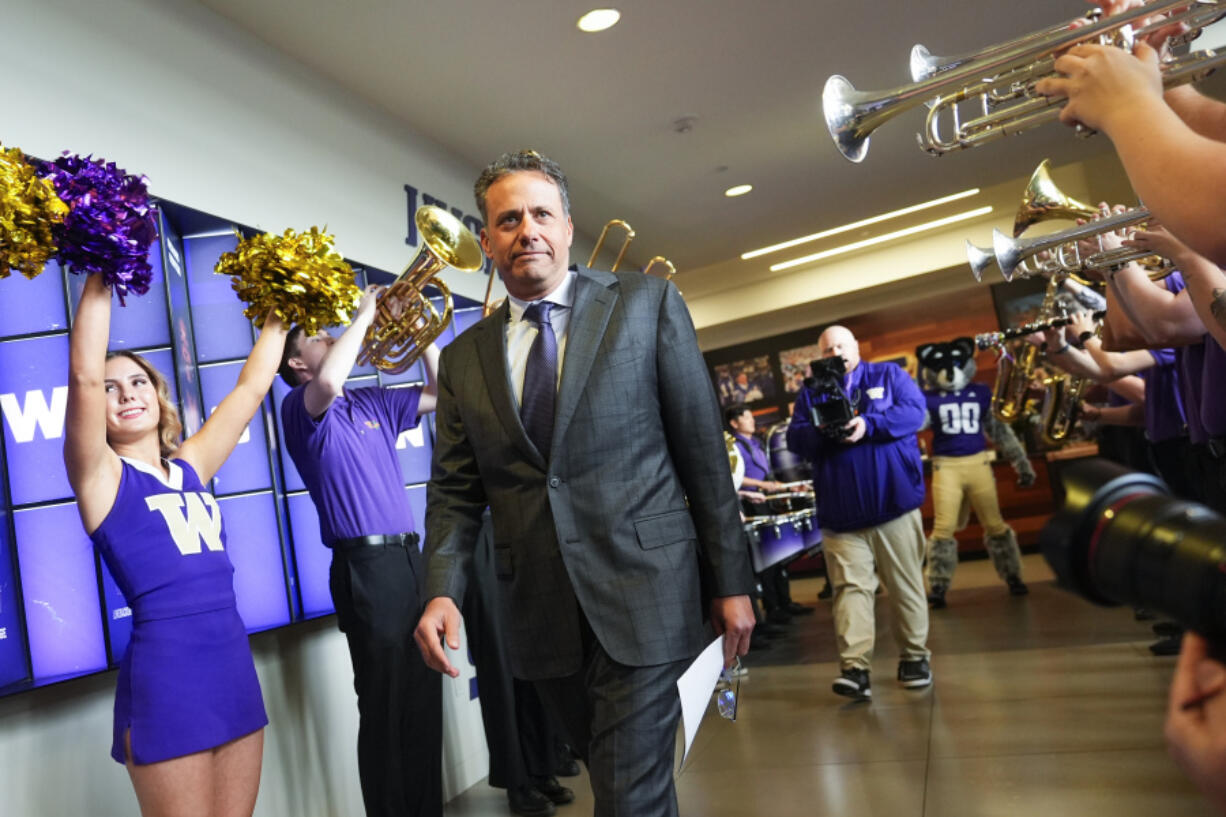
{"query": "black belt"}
pixel 403 540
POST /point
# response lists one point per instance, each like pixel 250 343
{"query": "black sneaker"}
pixel 1016 586
pixel 1167 646
pixel 936 598
pixel 826 592
pixel 914 674
pixel 853 683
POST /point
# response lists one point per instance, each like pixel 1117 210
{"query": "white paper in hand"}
pixel 695 687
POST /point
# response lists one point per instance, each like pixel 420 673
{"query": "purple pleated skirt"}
pixel 186 684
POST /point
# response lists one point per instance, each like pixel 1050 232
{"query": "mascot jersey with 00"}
pixel 959 413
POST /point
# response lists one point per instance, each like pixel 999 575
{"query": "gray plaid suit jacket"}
pixel 634 520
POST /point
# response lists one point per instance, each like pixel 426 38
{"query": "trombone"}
pixel 1005 73
pixel 617 222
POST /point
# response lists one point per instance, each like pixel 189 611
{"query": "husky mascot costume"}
pixel 959 413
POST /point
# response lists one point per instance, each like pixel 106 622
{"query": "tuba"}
pixel 406 321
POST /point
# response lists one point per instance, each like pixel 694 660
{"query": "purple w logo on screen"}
pixel 201 522
pixel 35 412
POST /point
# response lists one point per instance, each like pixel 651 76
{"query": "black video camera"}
pixel 1120 538
pixel 830 408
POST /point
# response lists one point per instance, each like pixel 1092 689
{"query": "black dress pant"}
pixel 377 593
pixel 518 731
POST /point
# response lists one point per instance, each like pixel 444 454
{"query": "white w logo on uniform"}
pixel 202 522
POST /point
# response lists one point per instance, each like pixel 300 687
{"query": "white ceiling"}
pixel 482 77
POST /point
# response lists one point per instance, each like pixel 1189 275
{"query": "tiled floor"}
pixel 1043 706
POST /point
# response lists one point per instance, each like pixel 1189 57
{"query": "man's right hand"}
pixel 439 623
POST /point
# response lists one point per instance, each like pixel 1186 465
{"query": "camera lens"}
pixel 1120 538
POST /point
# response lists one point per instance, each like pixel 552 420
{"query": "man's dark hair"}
pixel 733 412
pixel 291 350
pixel 520 160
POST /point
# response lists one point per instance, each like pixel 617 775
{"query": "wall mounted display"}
pixel 61 613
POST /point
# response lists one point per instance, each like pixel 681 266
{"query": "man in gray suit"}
pixel 581 413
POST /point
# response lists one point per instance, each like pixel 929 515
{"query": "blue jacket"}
pixel 880 477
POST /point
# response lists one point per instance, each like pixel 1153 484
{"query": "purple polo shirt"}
pixel 757 466
pixel 347 458
pixel 1164 413
pixel 1213 389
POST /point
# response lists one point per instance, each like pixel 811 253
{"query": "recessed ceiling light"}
pixel 862 223
pixel 738 190
pixel 868 242
pixel 598 20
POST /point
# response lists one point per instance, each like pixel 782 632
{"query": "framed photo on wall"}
pixel 744 381
pixel 1017 302
pixel 906 360
pixel 794 363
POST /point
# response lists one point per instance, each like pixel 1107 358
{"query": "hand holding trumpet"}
pixel 1106 87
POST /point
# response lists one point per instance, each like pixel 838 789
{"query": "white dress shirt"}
pixel 521 333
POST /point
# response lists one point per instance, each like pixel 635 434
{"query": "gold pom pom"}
pixel 297 275
pixel 29 212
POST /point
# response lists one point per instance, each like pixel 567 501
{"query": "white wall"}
pixel 219 123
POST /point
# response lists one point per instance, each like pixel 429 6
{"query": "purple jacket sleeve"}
pixel 904 416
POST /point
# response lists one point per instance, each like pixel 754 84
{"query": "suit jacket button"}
pixel 554 482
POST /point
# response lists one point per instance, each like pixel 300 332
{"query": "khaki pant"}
pixel 956 478
pixel 895 550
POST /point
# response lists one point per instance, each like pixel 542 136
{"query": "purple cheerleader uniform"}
pixel 186 682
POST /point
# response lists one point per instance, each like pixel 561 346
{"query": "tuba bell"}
pixel 406 321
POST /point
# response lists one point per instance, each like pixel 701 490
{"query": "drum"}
pixel 785 466
pixel 805 522
pixel 777 541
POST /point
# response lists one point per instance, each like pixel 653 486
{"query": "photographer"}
pixel 857 423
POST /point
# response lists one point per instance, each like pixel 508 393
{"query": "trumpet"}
pixel 406 321
pixel 1012 251
pixel 1002 79
pixel 1041 201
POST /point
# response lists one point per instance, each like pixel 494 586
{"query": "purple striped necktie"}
pixel 540 379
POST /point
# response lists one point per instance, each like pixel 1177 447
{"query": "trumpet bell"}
pixel 406 321
pixel 845 118
pixel 923 64
pixel 1042 200
pixel 979 258
pixel 1008 255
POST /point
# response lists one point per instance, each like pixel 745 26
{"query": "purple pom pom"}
pixel 110 223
